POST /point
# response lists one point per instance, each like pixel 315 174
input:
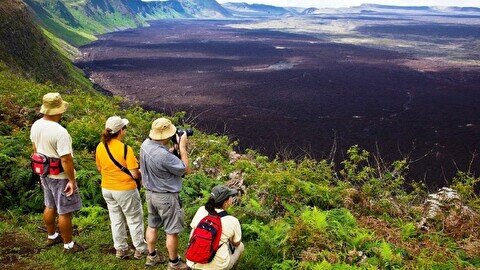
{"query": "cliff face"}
pixel 204 8
pixel 24 47
pixel 244 9
pixel 77 21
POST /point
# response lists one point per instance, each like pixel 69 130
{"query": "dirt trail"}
pixel 17 251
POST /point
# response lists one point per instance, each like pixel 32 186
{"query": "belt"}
pixel 168 192
pixel 161 192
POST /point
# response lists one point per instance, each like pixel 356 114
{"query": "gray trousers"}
pixel 125 208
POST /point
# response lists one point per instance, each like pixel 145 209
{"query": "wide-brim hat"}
pixel 115 123
pixel 221 193
pixel 162 129
pixel 53 104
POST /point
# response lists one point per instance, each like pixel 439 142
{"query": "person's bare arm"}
pixel 236 244
pixel 68 168
pixel 184 153
pixel 135 173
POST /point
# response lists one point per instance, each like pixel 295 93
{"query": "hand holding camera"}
pixel 180 140
pixel 179 134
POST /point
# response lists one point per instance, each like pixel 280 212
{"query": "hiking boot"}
pixel 153 260
pixel 124 253
pixel 140 254
pixel 76 248
pixel 52 242
pixel 178 266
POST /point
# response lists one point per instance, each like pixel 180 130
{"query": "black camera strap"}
pixel 123 169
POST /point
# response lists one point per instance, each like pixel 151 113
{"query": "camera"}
pixel 180 132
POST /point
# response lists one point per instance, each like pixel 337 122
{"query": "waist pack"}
pixel 43 165
pixel 205 239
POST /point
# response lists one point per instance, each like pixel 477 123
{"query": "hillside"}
pixel 204 8
pixel 295 214
pixel 24 47
pixel 77 22
pixel 245 10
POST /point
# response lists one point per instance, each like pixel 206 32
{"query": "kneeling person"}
pixel 230 246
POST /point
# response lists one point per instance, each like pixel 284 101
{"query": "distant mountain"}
pixel 410 8
pixel 159 9
pixel 373 8
pixel 465 9
pixel 204 8
pixel 249 10
pixel 310 11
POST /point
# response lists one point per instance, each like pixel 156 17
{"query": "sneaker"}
pixel 52 242
pixel 153 260
pixel 76 248
pixel 124 253
pixel 178 266
pixel 140 254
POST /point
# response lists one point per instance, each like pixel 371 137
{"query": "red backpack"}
pixel 205 239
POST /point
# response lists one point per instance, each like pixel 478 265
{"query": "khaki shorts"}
pixel 55 198
pixel 164 210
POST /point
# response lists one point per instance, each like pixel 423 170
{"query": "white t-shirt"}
pixel 52 140
pixel 230 230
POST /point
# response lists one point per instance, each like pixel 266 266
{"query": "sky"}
pixel 349 3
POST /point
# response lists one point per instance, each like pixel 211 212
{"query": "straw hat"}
pixel 115 123
pixel 162 129
pixel 53 104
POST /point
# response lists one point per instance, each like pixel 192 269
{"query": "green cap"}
pixel 221 193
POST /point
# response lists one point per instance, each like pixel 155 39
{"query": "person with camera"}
pixel 162 173
pixel 120 170
pixel 59 186
pixel 230 246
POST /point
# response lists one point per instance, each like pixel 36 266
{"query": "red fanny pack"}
pixel 55 166
pixel 43 165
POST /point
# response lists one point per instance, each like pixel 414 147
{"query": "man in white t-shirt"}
pixel 59 187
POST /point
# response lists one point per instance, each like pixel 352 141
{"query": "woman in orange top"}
pixel 119 171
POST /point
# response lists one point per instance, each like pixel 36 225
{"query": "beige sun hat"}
pixel 115 123
pixel 162 129
pixel 53 104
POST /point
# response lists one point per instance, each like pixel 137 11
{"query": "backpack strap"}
pixel 123 169
pixel 222 214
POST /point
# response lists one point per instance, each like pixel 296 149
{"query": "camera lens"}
pixel 180 132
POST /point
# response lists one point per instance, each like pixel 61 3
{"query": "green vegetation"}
pixel 68 29
pixel 298 214
pixel 24 48
pixel 295 214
